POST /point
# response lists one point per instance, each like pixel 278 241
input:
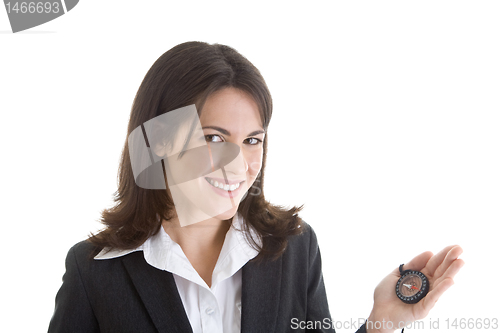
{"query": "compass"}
pixel 412 286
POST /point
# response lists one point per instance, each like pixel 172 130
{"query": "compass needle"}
pixel 416 284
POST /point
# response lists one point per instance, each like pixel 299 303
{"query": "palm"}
pixel 439 269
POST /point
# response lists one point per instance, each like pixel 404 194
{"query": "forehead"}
pixel 231 107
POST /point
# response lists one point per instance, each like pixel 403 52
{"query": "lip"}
pixel 229 181
pixel 224 193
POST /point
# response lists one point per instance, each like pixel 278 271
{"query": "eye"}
pixel 213 138
pixel 253 141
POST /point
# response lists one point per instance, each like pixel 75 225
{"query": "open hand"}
pixel 439 269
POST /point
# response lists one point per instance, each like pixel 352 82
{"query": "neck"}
pixel 201 243
pixel 204 235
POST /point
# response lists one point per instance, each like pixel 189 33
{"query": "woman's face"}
pixel 231 130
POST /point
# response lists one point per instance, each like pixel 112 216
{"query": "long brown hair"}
pixel 184 75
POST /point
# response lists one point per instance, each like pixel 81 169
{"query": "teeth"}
pixel 222 186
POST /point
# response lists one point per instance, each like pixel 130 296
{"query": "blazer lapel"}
pixel 159 294
pixel 260 296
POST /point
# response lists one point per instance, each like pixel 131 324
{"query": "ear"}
pixel 161 149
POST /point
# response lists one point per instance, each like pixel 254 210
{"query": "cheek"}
pixel 174 172
pixel 254 161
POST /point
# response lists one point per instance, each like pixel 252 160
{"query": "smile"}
pixel 222 186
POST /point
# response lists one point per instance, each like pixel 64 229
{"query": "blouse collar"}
pixel 161 252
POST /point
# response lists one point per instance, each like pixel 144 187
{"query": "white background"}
pixel 386 126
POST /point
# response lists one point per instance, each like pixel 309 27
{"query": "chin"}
pixel 227 214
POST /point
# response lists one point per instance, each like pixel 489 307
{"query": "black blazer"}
pixel 126 294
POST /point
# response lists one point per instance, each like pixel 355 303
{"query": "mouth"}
pixel 230 186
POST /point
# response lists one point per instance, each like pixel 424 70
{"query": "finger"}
pixel 418 262
pixel 452 270
pixel 436 260
pixel 448 260
pixel 433 296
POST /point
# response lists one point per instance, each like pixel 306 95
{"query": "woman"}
pixel 192 245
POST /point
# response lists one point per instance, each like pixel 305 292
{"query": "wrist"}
pixel 378 324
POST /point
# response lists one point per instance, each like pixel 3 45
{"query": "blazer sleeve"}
pixel 317 308
pixel 73 312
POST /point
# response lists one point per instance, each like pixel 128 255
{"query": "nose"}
pixel 238 166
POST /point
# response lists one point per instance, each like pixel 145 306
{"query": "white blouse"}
pixel 209 309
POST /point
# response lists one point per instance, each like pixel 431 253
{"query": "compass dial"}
pixel 412 286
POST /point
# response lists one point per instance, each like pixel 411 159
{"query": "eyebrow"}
pixel 226 132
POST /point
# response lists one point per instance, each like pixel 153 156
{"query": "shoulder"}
pixel 300 263
pixel 81 259
pixel 100 275
pixel 84 248
pixel 302 248
pixel 305 239
pixel 82 252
